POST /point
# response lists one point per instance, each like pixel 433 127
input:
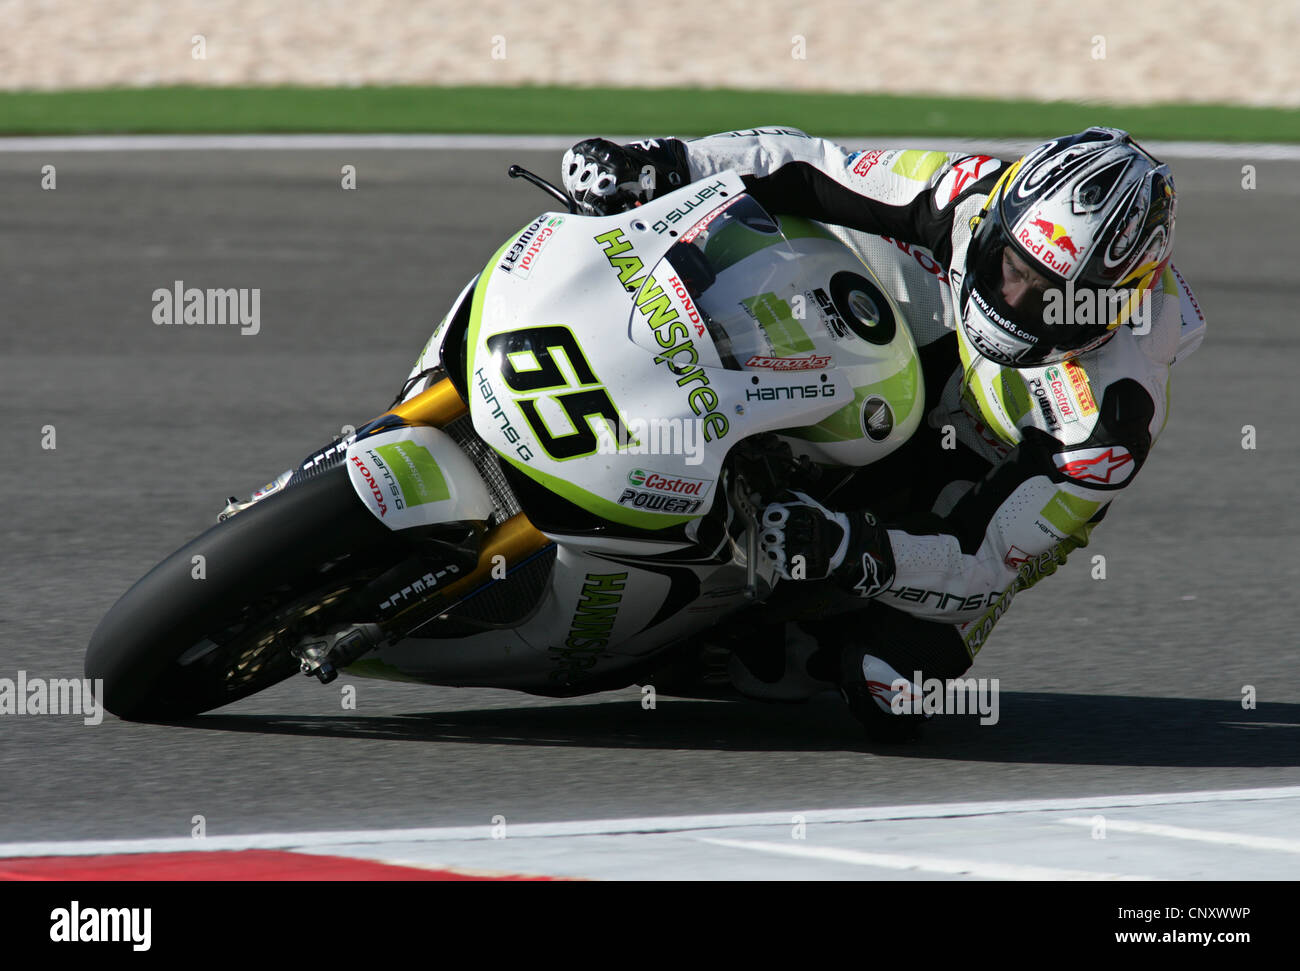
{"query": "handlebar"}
pixel 519 172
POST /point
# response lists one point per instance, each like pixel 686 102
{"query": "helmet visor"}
pixel 1020 314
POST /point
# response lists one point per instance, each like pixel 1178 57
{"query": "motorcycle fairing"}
pixel 416 476
pixel 560 391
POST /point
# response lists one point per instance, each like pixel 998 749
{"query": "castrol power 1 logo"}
pixel 522 255
pixel 675 484
pixel 1050 243
pixel 1056 385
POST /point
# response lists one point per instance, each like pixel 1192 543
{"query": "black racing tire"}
pixel 175 646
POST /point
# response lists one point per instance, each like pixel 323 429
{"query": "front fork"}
pixel 499 551
pixel 437 406
pixel 504 548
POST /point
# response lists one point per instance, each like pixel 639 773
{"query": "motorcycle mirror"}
pixel 519 172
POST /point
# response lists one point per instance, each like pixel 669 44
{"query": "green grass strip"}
pixel 582 111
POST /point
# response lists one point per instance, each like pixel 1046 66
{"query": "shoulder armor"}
pixel 1119 443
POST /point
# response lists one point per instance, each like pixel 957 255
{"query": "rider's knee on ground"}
pixel 876 647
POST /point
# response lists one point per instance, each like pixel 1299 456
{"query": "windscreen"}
pixel 734 274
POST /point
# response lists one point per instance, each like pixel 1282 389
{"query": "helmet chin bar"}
pixel 989 339
pixel 992 340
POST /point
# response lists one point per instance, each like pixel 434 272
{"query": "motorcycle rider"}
pixel 1047 384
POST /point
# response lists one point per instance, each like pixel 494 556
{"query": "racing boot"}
pixel 883 654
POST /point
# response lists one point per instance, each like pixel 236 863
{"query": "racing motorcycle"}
pixel 567 484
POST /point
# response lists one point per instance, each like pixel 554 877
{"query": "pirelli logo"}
pixel 1082 391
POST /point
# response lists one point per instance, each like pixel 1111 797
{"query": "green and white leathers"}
pixel 1061 439
pixel 615 361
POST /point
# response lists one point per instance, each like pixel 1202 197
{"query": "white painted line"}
pixel 650 824
pixel 1201 835
pixel 928 864
pixel 463 871
pixel 1250 151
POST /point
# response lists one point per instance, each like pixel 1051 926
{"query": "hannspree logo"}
pixel 592 626
pixel 671 333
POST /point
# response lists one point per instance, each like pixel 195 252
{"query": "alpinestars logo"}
pixel 887 692
pixel 962 175
pixel 1109 466
pixel 872 581
pixel 1016 557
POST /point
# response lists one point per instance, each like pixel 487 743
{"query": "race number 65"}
pixel 529 364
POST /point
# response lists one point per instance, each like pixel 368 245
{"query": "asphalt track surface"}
pixel 1124 685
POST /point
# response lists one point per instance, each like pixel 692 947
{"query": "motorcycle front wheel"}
pixel 214 622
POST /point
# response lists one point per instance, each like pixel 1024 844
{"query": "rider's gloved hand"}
pixel 806 541
pixel 603 178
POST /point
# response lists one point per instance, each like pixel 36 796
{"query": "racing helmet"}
pixel 1092 214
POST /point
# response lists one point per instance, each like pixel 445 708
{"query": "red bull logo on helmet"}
pixel 1049 243
pixel 1055 235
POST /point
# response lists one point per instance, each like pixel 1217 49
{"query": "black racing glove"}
pixel 603 178
pixel 806 541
